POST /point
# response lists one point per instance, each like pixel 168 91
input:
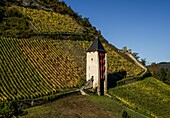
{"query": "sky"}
pixel 141 25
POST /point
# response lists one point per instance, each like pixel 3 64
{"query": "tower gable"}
pixel 96 46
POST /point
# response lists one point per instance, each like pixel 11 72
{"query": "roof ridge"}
pixel 96 46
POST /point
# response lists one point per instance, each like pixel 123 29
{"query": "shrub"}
pixel 82 81
pixel 8 109
pixel 125 114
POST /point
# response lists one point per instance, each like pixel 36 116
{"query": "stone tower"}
pixel 96 66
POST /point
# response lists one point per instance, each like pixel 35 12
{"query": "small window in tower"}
pixel 91 59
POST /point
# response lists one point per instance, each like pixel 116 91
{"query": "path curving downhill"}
pixel 137 62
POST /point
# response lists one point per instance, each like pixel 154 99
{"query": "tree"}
pixel 162 74
pixel 8 109
pixel 168 78
pixel 143 61
pixel 154 69
pixel 125 114
pixel 86 22
pixel 136 55
pixel 14 24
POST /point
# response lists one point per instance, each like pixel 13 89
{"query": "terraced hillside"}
pixel 150 96
pixel 45 66
pixel 23 22
pixel 19 78
pixel 49 22
pixel 55 60
pixel 116 62
pixel 36 66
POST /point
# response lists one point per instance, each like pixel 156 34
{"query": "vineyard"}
pixel 150 96
pixel 116 62
pixel 47 57
pixel 37 67
pixel 34 68
pixel 55 61
pixel 44 22
pixel 19 79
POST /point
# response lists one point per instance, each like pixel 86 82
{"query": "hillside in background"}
pixel 161 71
pixel 160 65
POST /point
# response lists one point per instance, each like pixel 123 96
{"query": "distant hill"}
pixel 161 71
pixel 162 65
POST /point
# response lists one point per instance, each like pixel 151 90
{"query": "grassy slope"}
pixel 77 106
pixel 150 96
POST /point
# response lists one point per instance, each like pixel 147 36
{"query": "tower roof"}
pixel 96 46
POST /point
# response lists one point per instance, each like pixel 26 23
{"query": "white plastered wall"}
pixel 92 67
